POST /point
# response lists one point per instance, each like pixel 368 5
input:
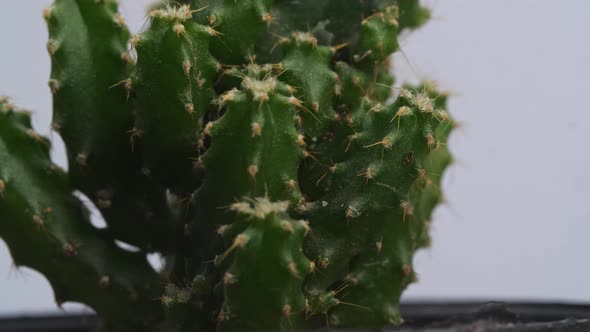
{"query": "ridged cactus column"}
pixel 267 266
pixel 92 113
pixel 173 82
pixel 258 145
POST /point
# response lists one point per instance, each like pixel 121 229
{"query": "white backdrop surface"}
pixel 517 220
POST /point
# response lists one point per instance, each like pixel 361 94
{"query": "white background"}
pixel 517 220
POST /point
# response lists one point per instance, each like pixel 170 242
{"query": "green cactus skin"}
pixel 239 24
pixel 307 68
pixel 257 144
pixel 47 229
pixel 378 38
pixel 173 85
pixel 262 286
pixel 93 117
pixel 334 22
pixel 412 14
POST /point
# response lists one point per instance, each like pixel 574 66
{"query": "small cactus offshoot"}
pixel 258 145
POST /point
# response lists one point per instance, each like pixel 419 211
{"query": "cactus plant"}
pixel 257 145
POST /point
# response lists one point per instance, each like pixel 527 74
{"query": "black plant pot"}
pixel 419 316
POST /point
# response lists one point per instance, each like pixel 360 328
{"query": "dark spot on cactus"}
pixel 132 296
pixel 409 158
pixel 70 250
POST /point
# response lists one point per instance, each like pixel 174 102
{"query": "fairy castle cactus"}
pixel 258 145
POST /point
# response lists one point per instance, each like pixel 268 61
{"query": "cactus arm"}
pixel 87 45
pixel 261 119
pixel 336 22
pixel 307 69
pixel 412 14
pixel 47 229
pixel 333 22
pixel 84 72
pixel 390 165
pixel 427 193
pixel 173 85
pixel 262 286
pixel 238 25
pixel 334 145
pixel 378 36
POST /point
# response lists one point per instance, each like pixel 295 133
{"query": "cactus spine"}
pixel 258 145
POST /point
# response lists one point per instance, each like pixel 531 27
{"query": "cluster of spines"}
pixel 311 129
